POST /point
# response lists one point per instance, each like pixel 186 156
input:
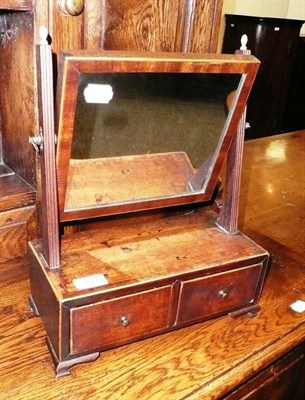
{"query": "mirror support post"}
pixel 228 217
pixel 48 209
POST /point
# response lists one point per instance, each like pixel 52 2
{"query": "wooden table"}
pixel 210 360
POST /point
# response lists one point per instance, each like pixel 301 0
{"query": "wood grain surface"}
pixel 207 360
pixel 17 227
pixel 204 30
pixel 66 32
pixel 15 192
pixel 17 95
pixel 143 25
pixel 19 5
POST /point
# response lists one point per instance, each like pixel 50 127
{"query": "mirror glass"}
pixel 141 136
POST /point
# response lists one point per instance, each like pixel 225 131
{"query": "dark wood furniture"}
pixel 294 113
pixel 17 123
pixel 257 358
pixel 91 288
pixel 274 42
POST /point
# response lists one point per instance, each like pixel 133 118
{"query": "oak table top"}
pixel 203 361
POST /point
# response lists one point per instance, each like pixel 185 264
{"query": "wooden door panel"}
pixel 150 25
pixel 204 29
pixel 139 25
pixel 66 31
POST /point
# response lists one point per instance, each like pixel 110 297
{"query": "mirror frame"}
pixel 73 64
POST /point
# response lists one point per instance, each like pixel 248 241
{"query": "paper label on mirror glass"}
pixel 98 93
pixel 298 306
pixel 89 282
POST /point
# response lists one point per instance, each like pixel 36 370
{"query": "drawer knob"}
pixel 124 321
pixel 71 7
pixel 222 293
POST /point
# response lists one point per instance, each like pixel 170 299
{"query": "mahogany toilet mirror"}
pixel 140 142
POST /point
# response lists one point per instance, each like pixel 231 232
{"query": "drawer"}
pixel 17 227
pixel 213 295
pixel 120 320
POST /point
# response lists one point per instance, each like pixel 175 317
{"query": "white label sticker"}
pixel 298 306
pixel 98 93
pixel 89 282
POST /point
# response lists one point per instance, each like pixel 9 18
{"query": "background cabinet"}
pixel 295 115
pixel 17 123
pixel 151 25
pixel 274 42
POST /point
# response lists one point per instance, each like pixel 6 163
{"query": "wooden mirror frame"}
pixel 203 183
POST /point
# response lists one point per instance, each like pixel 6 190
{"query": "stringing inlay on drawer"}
pixel 120 319
pixel 211 295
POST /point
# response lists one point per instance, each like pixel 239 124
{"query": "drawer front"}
pixel 216 294
pixel 120 320
pixel 17 227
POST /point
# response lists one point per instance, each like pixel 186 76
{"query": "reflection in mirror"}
pixel 143 135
